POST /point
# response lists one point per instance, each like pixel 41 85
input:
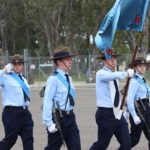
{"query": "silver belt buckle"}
pixel 67 112
pixel 24 107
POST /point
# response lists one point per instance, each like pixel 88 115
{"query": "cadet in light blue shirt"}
pixel 108 100
pixel 59 97
pixel 54 84
pixel 138 104
pixel 16 117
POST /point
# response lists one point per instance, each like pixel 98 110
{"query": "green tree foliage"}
pixel 42 25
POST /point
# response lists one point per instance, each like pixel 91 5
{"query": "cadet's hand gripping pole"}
pixel 128 80
pixel 118 111
pixel 131 66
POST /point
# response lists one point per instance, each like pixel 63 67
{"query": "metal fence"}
pixel 84 67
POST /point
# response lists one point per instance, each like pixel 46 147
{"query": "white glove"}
pixel 8 68
pixel 52 128
pixel 137 120
pixel 130 72
pixel 126 115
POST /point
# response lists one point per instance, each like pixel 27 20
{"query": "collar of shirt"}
pixel 16 73
pixel 61 72
pixel 140 76
pixel 107 69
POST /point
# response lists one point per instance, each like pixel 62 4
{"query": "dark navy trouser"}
pixel 136 130
pixel 70 133
pixel 108 126
pixel 17 122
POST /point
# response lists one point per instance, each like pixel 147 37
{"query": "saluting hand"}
pixel 8 68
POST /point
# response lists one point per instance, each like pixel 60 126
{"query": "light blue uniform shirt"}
pixel 12 92
pixel 56 90
pixel 103 77
pixel 136 91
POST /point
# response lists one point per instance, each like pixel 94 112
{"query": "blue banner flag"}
pixel 125 15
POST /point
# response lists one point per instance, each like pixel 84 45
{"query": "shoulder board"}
pixel 54 73
pixel 135 76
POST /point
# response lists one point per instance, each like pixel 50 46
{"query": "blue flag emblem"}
pixel 132 15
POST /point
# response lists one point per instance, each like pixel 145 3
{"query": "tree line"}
pixel 42 25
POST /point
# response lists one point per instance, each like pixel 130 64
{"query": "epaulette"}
pixel 54 73
pixel 135 76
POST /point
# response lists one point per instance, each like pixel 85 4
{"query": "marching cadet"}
pixel 107 95
pixel 138 103
pixel 58 115
pixel 16 117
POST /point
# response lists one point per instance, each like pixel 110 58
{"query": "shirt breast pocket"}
pixel 62 93
pixel 16 88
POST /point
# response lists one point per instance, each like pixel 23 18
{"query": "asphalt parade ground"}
pixel 85 115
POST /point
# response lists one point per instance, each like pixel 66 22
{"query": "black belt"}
pixel 105 108
pixel 66 112
pixel 16 107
